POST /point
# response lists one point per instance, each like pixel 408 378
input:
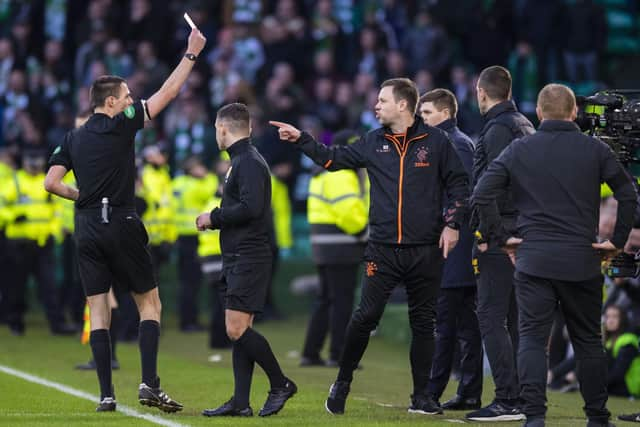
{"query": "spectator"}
pixel 524 70
pixel 118 61
pixel 7 60
pixel 372 52
pixel 585 39
pixel 249 55
pixel 427 46
pixel 147 61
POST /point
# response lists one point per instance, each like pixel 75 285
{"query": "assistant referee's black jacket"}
pixel 244 216
pixel 409 174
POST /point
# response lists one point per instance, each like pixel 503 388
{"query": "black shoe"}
pixel 277 398
pixel 534 422
pixel 337 397
pixel 421 404
pixel 91 365
pixel 459 403
pixel 496 411
pixel 630 417
pixel 312 361
pixel 154 396
pixel 108 404
pixel 228 410
pixel 64 329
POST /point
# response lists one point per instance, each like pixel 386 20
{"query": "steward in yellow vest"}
pixel 32 225
pixel 337 210
pixel 191 193
pixel 6 180
pixel 210 254
pixel 159 215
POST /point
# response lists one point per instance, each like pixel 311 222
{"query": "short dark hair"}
pixel 556 102
pixel 403 89
pixel 104 87
pixel 496 81
pixel 441 99
pixel 236 116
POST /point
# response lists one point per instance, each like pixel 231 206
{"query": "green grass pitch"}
pixel 380 392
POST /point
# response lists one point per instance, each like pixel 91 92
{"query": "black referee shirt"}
pixel 244 216
pixel 102 157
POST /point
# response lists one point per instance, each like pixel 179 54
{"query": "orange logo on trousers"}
pixel 371 268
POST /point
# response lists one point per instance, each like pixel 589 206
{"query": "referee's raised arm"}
pixel 174 82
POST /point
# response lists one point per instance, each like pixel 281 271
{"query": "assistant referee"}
pixel 111 240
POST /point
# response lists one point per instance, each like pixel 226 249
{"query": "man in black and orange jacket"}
pixel 410 165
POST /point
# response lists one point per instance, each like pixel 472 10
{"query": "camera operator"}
pixel 557 260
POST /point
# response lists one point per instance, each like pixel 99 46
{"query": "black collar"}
pixel 411 130
pixel 448 125
pixel 558 126
pixel 502 107
pixel 240 146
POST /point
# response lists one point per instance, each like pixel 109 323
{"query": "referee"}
pixel 111 240
pixel 557 262
pixel 244 219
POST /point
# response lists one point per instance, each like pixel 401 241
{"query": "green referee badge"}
pixel 130 112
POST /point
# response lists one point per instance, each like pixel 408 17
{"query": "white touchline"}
pixel 87 396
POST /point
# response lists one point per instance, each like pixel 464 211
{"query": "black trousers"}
pixel 332 309
pixel 419 268
pixel 190 277
pixel 581 305
pixel 498 320
pixel 456 321
pixel 26 258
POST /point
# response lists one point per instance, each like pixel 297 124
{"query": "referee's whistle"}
pixel 105 210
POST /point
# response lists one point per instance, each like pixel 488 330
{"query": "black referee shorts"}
pixel 113 254
pixel 245 286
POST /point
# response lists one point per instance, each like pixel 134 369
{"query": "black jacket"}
pixel 244 216
pixel 458 270
pixel 556 175
pixel 503 124
pixel 409 174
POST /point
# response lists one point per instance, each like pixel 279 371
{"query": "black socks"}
pixel 148 340
pixel 258 349
pixel 101 348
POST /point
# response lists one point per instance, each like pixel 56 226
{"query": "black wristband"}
pixel 190 57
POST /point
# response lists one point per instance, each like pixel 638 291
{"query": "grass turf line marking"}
pixel 87 396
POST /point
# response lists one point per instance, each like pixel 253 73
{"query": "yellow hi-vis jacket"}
pixel 191 195
pixel 337 211
pixel 281 206
pixel 6 180
pixel 209 242
pixel 159 216
pixel 31 211
pixel 66 207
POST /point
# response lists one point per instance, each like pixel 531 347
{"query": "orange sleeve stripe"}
pixel 326 165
